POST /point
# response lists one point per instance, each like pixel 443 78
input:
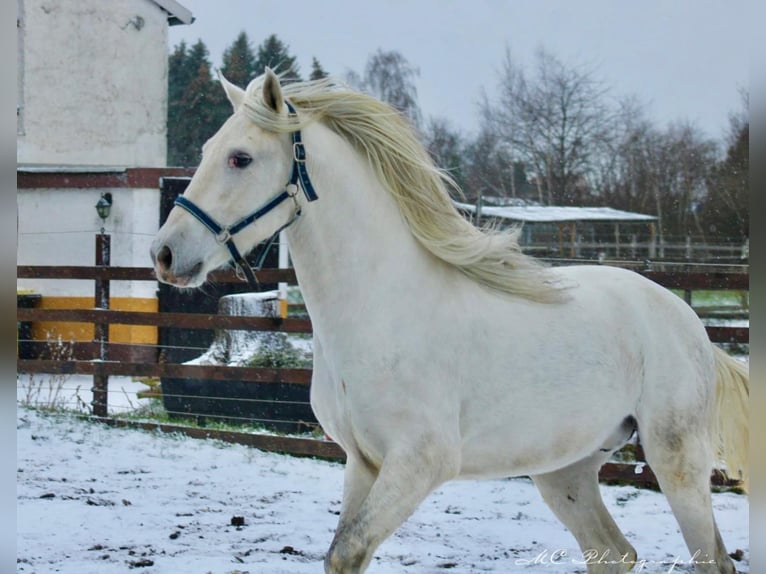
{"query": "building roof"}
pixel 177 14
pixel 553 214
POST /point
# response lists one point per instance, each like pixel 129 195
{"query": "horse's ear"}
pixel 235 94
pixel 272 91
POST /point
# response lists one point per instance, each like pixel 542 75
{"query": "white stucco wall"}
pixel 58 227
pixel 93 83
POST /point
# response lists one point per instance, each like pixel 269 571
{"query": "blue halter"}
pixel 225 234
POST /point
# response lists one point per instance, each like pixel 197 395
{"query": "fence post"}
pixel 101 329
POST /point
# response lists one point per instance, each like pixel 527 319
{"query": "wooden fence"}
pixel 102 359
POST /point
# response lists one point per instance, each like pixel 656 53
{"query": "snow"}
pixel 96 499
pixel 553 213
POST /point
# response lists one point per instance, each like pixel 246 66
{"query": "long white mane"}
pixel 491 258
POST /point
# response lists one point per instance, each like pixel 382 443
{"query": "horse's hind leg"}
pixel 573 495
pixel 677 447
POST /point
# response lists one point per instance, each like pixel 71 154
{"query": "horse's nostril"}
pixel 164 258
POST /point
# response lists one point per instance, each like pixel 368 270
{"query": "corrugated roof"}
pixel 552 213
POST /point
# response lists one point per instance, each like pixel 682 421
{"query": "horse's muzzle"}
pixel 166 268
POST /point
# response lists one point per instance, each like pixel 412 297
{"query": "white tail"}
pixel 732 416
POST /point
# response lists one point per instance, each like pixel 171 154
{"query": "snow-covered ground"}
pixel 99 500
pixel 73 393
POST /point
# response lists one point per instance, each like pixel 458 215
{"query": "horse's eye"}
pixel 239 160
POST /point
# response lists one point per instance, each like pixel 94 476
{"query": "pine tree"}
pixel 275 54
pixel 239 63
pixel 179 73
pixel 194 110
pixel 197 106
pixel 317 72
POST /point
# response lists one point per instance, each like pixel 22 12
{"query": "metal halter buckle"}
pixel 223 237
pixel 239 272
pixel 299 152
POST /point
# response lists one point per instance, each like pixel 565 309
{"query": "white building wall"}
pixel 92 83
pixel 58 227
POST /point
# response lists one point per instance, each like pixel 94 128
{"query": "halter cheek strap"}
pixel 300 173
pixel 225 234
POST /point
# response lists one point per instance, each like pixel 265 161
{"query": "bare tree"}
pixel 624 174
pixel 688 159
pixel 739 121
pixel 726 209
pixel 661 172
pixel 390 77
pixel 490 171
pixel 557 121
pixel 446 146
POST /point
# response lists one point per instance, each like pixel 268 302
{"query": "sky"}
pixel 685 60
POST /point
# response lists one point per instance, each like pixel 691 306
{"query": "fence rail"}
pixel 184 320
pixel 687 281
pixel 212 372
pixel 138 273
pixel 94 356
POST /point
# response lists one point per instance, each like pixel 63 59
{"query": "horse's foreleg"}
pixel 573 495
pixel 358 478
pixel 404 480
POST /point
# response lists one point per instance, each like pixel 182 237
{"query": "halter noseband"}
pixel 225 234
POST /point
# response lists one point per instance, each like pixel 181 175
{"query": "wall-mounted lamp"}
pixel 104 207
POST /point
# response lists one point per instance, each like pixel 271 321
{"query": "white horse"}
pixel 441 351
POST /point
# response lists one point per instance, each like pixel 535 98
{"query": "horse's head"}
pixel 243 168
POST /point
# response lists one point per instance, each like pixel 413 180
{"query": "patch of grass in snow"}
pixel 721 298
pixel 718 298
pixel 626 454
pixel 736 349
pixel 153 411
pixel 626 497
pixel 49 392
pixel 277 352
